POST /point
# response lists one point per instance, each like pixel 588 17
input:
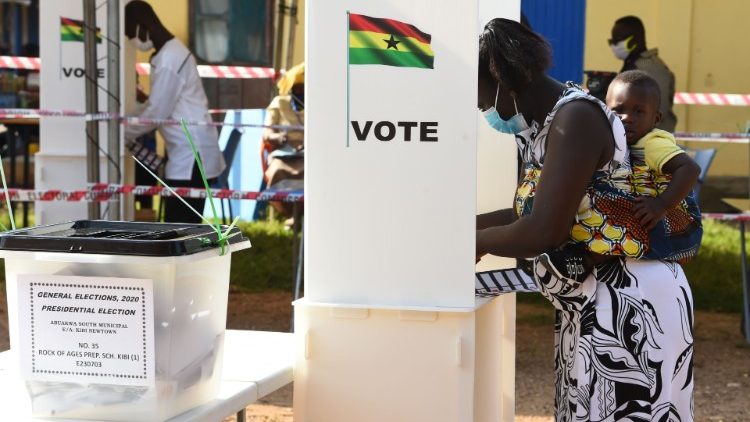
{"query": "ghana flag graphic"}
pixel 72 30
pixel 388 42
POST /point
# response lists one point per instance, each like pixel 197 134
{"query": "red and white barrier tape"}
pixel 249 72
pixel 699 98
pixel 725 217
pixel 27 113
pixel 139 121
pixel 222 72
pixel 724 138
pixel 205 71
pixel 13 62
pixel 104 192
pixel 24 113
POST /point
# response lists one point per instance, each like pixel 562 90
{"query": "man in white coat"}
pixel 176 93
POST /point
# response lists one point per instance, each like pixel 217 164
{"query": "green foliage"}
pixel 715 275
pixel 5 216
pixel 267 265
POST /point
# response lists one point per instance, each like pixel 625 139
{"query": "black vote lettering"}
pixel 361 133
pixel 379 131
pixel 426 129
pixel 407 129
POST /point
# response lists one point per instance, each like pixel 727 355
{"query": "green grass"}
pixel 267 265
pixel 714 276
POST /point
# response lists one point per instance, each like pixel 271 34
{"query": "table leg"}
pixel 300 267
pixel 26 184
pixel 12 139
pixel 745 286
pixel 296 255
pixel 241 416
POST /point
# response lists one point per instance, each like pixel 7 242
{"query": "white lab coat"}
pixel 177 93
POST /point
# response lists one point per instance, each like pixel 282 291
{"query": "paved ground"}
pixel 722 359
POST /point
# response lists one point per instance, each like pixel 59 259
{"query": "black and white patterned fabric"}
pixel 623 343
pixel 495 283
pixel 623 336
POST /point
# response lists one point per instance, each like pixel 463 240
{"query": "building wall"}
pixel 703 42
pixel 175 16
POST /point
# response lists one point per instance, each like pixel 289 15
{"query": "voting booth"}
pixel 61 161
pixel 390 327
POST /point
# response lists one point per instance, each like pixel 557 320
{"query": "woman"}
pixel 286 158
pixel 624 335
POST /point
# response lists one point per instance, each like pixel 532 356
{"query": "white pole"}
pixel 113 103
pixel 92 99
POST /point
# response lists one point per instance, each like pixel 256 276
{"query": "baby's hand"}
pixel 648 211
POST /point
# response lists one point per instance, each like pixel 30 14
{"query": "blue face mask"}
pixel 513 126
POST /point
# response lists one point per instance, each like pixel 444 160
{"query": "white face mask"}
pixel 144 46
pixel 622 50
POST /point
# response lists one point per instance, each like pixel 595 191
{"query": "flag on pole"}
pixel 388 42
pixel 72 30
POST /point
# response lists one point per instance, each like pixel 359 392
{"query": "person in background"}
pixel 176 93
pixel 628 43
pixel 286 147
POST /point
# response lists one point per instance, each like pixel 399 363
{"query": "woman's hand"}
pixel 479 252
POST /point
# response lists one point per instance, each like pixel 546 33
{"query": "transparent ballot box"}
pixel 120 321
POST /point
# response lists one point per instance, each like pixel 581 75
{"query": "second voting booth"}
pixel 399 162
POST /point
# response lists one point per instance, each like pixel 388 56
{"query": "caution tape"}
pixel 28 113
pixel 205 71
pixel 725 138
pixel 140 121
pixel 699 98
pixel 725 217
pixel 104 192
pixel 13 62
pixel 25 113
pixel 251 72
pixel 222 72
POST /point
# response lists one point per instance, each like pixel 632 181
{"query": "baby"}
pixel 654 155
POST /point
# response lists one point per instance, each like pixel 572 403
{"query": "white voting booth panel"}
pixel 63 172
pixel 373 365
pixel 62 82
pixel 390 328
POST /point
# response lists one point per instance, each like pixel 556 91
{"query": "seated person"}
pixel 663 175
pixel 286 158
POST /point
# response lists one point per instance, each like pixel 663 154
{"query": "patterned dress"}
pixel 623 336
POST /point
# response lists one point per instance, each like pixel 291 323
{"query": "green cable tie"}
pixel 221 238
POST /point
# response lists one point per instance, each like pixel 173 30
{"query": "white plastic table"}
pixel 256 363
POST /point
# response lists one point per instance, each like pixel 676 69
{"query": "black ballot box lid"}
pixel 118 238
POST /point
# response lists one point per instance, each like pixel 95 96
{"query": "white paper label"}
pixel 86 329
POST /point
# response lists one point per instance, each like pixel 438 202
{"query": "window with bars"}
pixel 232 32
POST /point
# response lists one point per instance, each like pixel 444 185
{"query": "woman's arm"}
pixel 579 142
pixel 496 218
